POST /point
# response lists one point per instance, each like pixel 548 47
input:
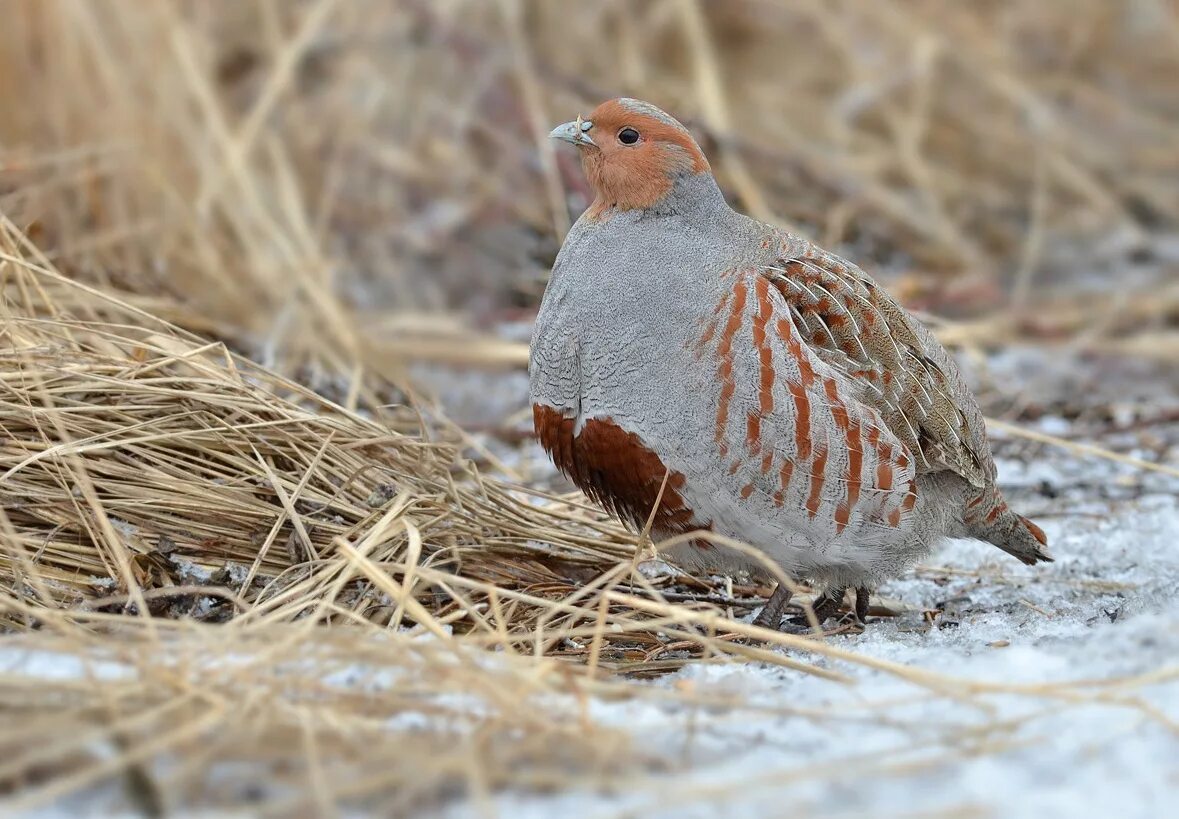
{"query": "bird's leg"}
pixel 826 605
pixel 771 616
pixel 863 596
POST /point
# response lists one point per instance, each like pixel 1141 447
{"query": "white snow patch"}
pixel 1105 610
pixel 764 740
pixel 20 659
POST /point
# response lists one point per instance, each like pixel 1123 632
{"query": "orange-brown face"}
pixel 633 153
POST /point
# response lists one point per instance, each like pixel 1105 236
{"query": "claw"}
pixel 825 606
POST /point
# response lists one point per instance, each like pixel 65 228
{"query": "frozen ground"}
pixel 772 742
pixel 797 745
pixel 1105 610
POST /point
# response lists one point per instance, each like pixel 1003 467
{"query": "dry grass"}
pixel 274 584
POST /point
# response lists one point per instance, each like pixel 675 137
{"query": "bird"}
pixel 695 370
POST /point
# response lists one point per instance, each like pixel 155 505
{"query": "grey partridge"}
pixel 697 367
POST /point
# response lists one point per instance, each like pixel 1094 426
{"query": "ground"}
pixel 975 707
pixel 1105 610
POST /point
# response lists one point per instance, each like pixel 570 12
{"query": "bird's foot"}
pixel 863 601
pixel 827 605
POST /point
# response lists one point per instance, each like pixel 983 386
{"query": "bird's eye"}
pixel 628 136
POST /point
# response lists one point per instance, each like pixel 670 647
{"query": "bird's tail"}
pixel 989 518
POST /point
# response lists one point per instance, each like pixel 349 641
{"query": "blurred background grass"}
pixel 335 187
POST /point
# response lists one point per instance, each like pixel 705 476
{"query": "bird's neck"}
pixel 691 195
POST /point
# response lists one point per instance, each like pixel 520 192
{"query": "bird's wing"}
pixel 891 361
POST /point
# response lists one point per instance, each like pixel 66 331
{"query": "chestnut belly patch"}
pixel 616 469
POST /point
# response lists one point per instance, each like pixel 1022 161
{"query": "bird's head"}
pixel 633 153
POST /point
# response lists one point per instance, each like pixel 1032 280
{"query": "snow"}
pixel 760 739
pixel 52 666
pixel 1105 610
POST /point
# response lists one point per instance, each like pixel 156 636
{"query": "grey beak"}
pixel 576 132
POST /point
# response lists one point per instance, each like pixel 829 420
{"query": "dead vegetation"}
pixel 227 228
